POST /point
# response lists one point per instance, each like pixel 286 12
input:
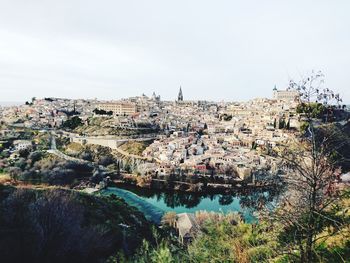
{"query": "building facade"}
pixel 286 95
pixel 118 107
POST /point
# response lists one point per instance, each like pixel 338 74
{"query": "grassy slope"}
pixel 135 147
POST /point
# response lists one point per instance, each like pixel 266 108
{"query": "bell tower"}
pixel 180 97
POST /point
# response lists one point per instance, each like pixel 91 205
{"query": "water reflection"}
pixel 254 199
pixel 226 199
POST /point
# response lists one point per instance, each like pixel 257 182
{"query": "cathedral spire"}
pixel 180 97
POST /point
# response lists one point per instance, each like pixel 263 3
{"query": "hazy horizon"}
pixel 227 50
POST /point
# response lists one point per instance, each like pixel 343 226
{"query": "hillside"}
pixel 57 225
pixel 338 139
pixel 134 147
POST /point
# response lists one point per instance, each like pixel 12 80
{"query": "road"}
pixel 53 150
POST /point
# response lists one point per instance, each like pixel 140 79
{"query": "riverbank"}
pixel 154 203
pixel 130 180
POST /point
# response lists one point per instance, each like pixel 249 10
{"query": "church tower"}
pixel 180 97
pixel 274 92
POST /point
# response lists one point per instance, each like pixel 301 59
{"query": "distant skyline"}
pixel 216 50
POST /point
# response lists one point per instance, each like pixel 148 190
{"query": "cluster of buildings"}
pixel 130 106
pixel 286 95
pixel 195 136
pixel 229 135
pixel 45 113
pixel 118 108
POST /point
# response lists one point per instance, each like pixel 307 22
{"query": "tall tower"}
pixel 180 97
pixel 274 92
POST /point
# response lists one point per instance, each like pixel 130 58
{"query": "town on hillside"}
pixel 179 150
pixel 222 141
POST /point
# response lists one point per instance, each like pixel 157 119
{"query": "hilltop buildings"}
pixel 22 144
pixel 286 95
pixel 118 107
pixel 193 137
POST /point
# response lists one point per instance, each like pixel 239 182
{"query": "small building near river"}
pixel 187 227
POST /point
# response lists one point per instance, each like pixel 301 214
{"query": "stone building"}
pixel 118 107
pixel 286 95
pixel 187 227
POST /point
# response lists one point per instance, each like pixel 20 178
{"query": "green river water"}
pixel 153 204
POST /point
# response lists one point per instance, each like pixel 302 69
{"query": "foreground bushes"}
pixel 64 226
pixel 42 168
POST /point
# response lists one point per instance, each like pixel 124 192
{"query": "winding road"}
pixel 53 150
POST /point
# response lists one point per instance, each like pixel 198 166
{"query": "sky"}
pixel 216 50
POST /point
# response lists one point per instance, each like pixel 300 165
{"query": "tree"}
pixel 102 112
pixel 72 123
pixel 288 124
pixel 56 225
pixel 254 145
pixel 226 199
pixel 158 254
pixel 314 109
pixel 281 124
pixel 310 175
pixel 226 239
pixel 47 227
pixel 14 172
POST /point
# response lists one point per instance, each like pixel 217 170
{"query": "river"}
pixel 153 204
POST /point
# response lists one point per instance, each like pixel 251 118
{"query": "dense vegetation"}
pixel 100 155
pixel 72 123
pixel 317 110
pixel 39 167
pixel 340 143
pixel 58 225
pixel 228 239
pixel 102 112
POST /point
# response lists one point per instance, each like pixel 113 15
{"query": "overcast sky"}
pixel 216 50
